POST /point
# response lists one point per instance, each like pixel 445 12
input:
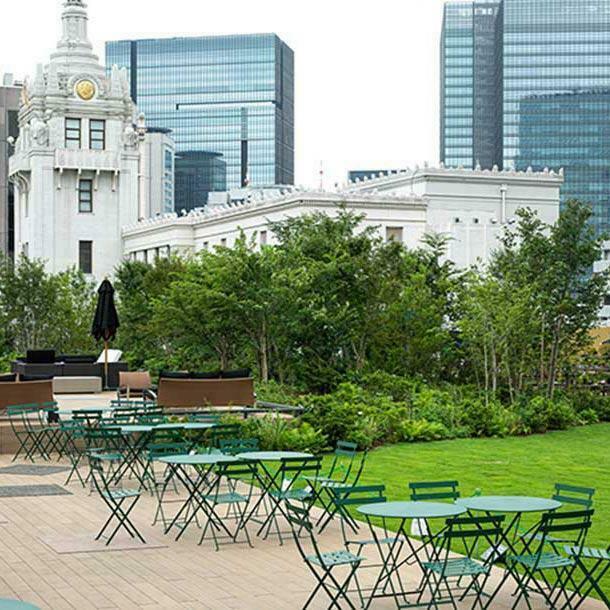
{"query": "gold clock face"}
pixel 85 89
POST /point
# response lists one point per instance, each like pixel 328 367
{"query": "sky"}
pixel 367 73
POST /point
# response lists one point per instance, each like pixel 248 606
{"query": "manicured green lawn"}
pixel 511 466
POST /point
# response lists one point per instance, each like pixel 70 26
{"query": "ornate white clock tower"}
pixel 77 164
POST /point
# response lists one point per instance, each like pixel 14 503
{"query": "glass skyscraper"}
pixel 553 70
pixel 471 83
pixel 229 101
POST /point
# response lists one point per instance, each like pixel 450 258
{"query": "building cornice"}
pixel 261 207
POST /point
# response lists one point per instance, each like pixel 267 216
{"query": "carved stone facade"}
pixel 78 160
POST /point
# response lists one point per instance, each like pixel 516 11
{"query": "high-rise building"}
pixel 10 93
pixel 551 62
pixel 471 83
pixel 229 101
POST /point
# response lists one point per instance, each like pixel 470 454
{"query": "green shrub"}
pixel 414 430
pixel 276 433
pixel 541 414
pixel 488 419
pixel 585 402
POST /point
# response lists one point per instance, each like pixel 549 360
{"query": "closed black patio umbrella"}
pixel 106 320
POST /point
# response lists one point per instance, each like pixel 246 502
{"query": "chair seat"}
pixel 120 494
pixel 227 498
pixel 106 456
pixel 292 494
pixel 370 541
pixel 587 553
pixel 546 561
pixel 335 558
pixel 457 567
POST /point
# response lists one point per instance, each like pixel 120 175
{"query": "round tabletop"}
pixel 509 504
pixel 273 456
pixel 15 604
pixel 411 510
pixel 200 459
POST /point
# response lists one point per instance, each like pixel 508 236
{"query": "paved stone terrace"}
pixel 47 557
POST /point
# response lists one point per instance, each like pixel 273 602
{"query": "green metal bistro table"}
pixel 517 506
pixel 393 558
pixel 13 604
pixel 196 473
pixel 269 481
pixel 138 436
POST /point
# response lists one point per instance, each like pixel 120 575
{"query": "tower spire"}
pixel 74 47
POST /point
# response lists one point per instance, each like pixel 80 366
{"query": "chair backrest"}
pixel 159 449
pixel 573 495
pixel 293 470
pixel 222 432
pixel 467 532
pixel 88 417
pixel 234 446
pixel 204 418
pixel 571 526
pixel 434 490
pixel 103 439
pixel 135 380
pixel 343 461
pixel 358 495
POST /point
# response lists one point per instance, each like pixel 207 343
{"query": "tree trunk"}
pixel 554 358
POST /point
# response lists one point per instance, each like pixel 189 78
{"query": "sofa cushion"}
pixel 8 378
pixel 174 375
pixel 40 356
pixel 236 374
pixel 77 359
pixel 35 377
pixel 206 375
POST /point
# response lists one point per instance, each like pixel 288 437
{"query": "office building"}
pixel 229 102
pixel 471 83
pixel 159 152
pixel 10 93
pixel 552 65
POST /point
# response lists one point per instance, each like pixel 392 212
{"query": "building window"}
pixel 394 234
pixel 263 238
pixel 85 196
pixel 97 135
pixel 223 242
pixel 73 134
pixel 25 249
pixel 206 245
pixel 85 257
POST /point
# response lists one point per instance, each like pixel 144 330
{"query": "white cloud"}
pixel 366 72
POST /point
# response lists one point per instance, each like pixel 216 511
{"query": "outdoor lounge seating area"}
pixel 146 509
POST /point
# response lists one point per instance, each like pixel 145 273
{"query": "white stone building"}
pixel 79 170
pixel 469 206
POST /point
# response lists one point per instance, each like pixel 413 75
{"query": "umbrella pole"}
pixel 105 365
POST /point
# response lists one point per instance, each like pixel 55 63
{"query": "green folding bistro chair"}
pixel 239 478
pixel 431 491
pixel 444 571
pixel 106 443
pixel 161 481
pixel 323 565
pixel 73 446
pixel 34 435
pixel 570 496
pixel 593 565
pixel 540 571
pixel 289 484
pixel 345 497
pixel 342 473
pixel 120 501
